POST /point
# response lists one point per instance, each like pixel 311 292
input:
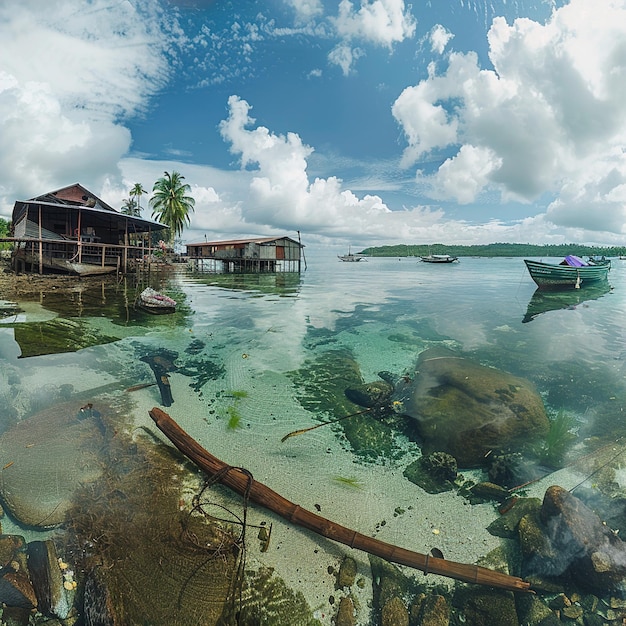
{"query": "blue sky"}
pixel 363 122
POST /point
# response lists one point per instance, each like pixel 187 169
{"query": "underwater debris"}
pixel 242 482
pixel 161 364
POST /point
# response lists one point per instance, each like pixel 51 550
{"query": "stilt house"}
pixel 246 256
pixel 72 230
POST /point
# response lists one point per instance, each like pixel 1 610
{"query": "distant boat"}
pixel 439 258
pixel 571 273
pixel 350 258
pixel 152 301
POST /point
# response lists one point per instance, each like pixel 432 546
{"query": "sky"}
pixel 353 122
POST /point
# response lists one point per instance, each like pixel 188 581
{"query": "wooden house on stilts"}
pixel 246 256
pixel 72 230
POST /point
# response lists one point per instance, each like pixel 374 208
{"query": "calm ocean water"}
pixel 244 351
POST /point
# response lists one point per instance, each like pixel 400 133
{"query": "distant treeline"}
pixel 495 249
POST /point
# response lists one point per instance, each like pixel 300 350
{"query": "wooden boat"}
pixel 66 266
pixel 82 269
pixel 570 273
pixel 154 302
pixel 350 258
pixel 439 258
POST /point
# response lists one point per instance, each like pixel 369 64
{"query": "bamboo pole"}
pixel 40 244
pixel 243 483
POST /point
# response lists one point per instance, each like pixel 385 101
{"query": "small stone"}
pixel 601 562
pixel 347 573
pixel 490 491
pixel 346 613
pixel 9 545
pixel 560 602
pixel 16 616
pixel 434 611
pixel 617 603
pixel 43 565
pixel 573 611
pixel 394 613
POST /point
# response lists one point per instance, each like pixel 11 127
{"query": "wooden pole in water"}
pixel 243 483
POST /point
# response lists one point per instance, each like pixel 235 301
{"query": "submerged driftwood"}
pixel 242 482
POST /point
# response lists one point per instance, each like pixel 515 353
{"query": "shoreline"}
pixel 14 286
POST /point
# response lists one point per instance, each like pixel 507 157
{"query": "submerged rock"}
pixel 16 590
pixel 346 612
pixel 48 456
pixel 574 542
pixel 434 473
pixel 370 395
pixel 321 384
pixel 434 610
pixel 467 409
pixel 53 598
pixel 487 607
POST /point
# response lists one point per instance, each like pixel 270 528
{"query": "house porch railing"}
pixel 40 253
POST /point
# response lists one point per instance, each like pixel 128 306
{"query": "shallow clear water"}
pixel 242 347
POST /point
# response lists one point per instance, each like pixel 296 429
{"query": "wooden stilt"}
pixel 242 482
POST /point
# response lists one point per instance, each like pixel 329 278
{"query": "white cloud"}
pixel 280 193
pixel 345 57
pixel 70 73
pixel 464 175
pixel 62 114
pixel 439 38
pixel 306 9
pixel 379 22
pixel 549 116
pixel 382 22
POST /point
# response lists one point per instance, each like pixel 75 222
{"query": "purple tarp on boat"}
pixel 574 261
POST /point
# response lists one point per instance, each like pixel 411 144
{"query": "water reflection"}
pixel 282 284
pixel 544 301
pixel 55 321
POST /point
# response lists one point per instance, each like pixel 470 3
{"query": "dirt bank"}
pixel 13 286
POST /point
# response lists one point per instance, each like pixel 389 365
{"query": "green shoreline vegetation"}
pixel 494 250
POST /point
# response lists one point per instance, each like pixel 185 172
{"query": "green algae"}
pixel 558 442
pixel 234 418
pixel 346 481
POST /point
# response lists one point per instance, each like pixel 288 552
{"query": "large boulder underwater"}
pixel 49 456
pixel 468 410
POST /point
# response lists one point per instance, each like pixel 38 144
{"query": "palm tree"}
pixel 136 192
pixel 171 203
pixel 129 207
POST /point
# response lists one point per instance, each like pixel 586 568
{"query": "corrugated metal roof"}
pixel 233 242
pixel 108 212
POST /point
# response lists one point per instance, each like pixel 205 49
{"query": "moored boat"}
pixel 439 258
pixel 154 302
pixel 350 258
pixel 570 273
